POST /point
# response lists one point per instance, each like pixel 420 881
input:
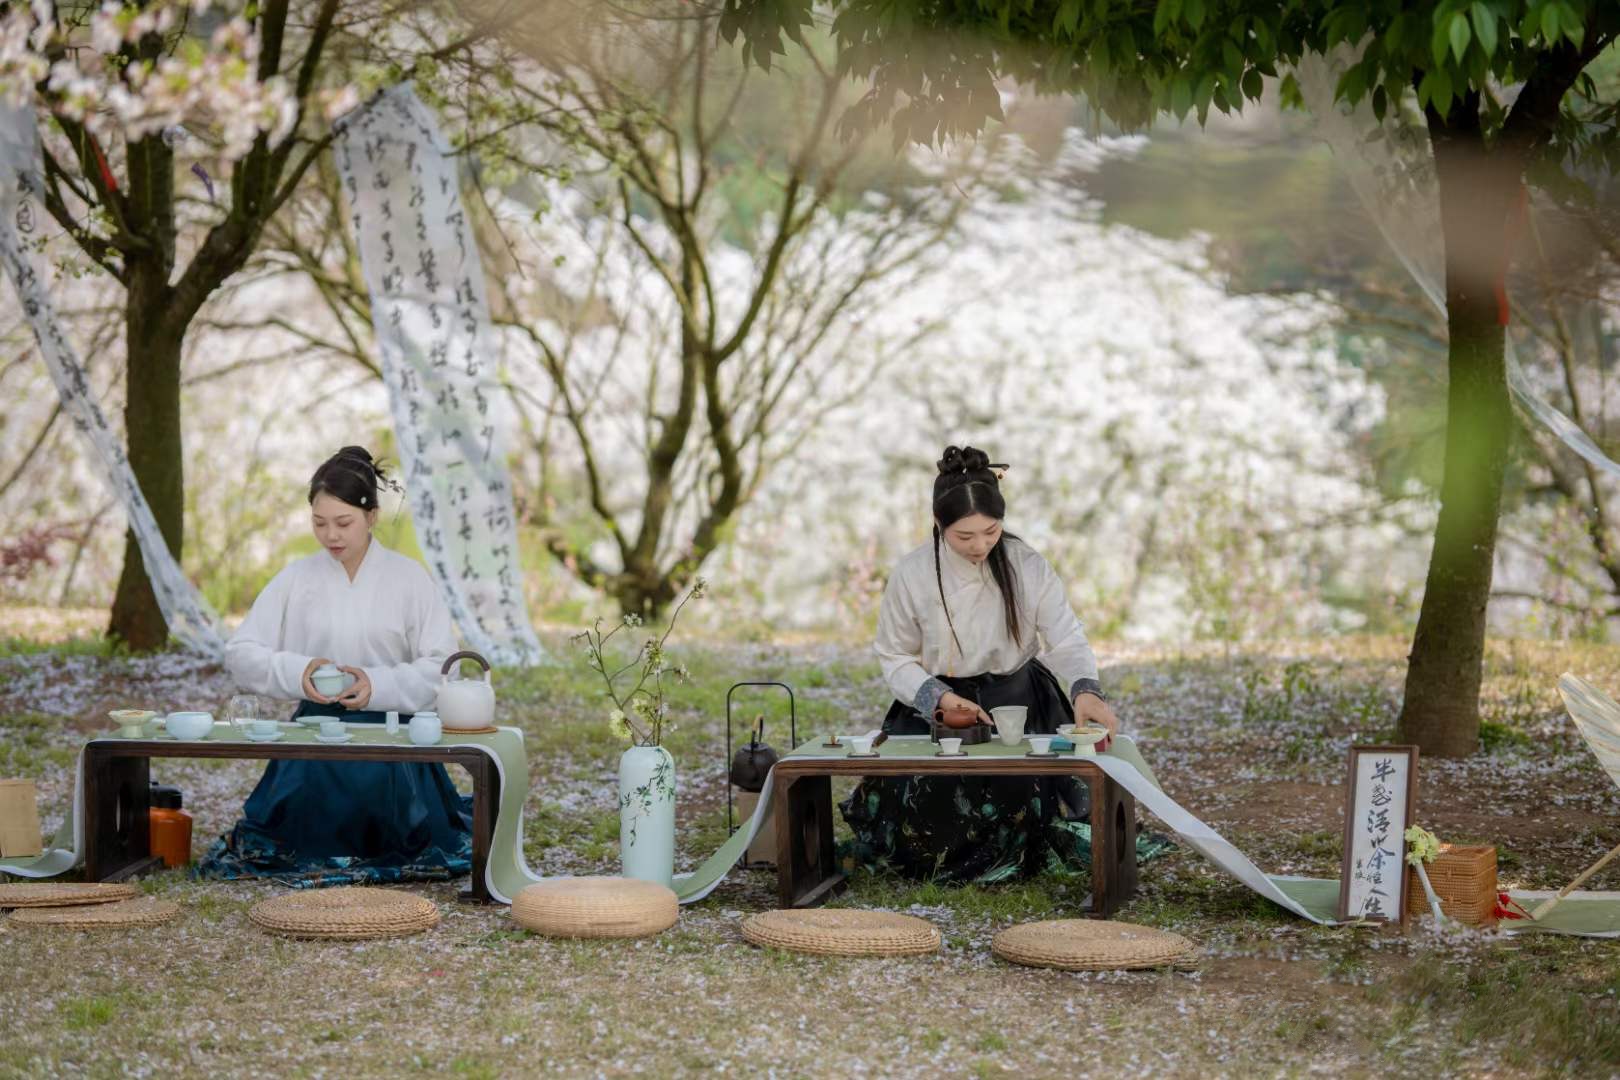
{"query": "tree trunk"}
pixel 1477 190
pixel 152 426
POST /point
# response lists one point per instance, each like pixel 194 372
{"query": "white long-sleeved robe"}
pixel 389 622
pixel 914 642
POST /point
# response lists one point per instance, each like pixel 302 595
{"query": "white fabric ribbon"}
pixel 1394 176
pixel 191 620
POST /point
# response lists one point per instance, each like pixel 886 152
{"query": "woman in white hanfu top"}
pixel 376 615
pixel 973 620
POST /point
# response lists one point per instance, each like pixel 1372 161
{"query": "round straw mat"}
pixel 46 894
pixel 1089 945
pixel 350 912
pixel 842 932
pixel 122 914
pixel 487 730
pixel 596 907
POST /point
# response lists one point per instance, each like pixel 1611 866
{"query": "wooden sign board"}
pixel 1379 798
pixel 19 819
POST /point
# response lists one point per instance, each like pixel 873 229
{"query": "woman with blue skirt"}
pixel 377 616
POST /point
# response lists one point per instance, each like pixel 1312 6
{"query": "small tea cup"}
pixel 262 728
pixel 331 729
pixel 951 747
pixel 1040 744
pixel 860 744
pixel 330 681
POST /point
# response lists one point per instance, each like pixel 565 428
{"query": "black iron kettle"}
pixel 752 762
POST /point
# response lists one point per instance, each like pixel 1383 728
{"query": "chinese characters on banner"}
pixel 191 621
pixel 431 317
pixel 1376 834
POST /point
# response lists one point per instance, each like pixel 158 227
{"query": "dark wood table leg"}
pixel 486 804
pixel 117 830
pixel 1113 846
pixel 807 871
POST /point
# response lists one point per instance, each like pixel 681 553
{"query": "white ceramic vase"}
pixel 647 813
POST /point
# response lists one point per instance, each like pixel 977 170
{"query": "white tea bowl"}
pixel 189 725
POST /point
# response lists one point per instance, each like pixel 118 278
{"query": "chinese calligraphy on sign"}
pixel 431 317
pixel 1379 809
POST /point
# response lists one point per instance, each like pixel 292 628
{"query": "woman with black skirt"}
pixel 973 620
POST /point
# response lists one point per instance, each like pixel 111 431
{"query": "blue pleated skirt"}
pixel 314 823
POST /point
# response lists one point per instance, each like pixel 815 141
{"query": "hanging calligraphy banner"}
pixel 1377 813
pixel 431 318
pixel 190 619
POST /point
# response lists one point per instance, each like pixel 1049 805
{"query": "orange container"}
pixel 170 827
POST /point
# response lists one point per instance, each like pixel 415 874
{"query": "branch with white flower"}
pixel 640 713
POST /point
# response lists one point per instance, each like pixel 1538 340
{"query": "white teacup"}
pixel 950 746
pixel 263 728
pixel 331 729
pixel 1040 744
pixel 426 728
pixel 1009 721
pixel 860 744
pixel 330 681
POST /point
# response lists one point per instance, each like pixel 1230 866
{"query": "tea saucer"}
pixel 1048 754
pixel 345 737
pixel 272 737
pixel 959 753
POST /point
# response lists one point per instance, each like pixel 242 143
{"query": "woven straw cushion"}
pixel 1089 945
pixel 350 912
pixel 46 894
pixel 596 907
pixel 842 932
pixel 122 914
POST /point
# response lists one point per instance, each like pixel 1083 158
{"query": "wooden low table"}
pixel 808 873
pixel 117 840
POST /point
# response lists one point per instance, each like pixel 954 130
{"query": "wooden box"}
pixel 19 819
pixel 1464 878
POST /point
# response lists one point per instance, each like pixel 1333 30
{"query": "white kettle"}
pixel 465 704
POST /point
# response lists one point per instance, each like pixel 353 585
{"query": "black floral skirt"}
pixel 971 829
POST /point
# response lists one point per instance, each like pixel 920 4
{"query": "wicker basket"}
pixel 1464 878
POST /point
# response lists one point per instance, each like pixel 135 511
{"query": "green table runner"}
pixel 508 873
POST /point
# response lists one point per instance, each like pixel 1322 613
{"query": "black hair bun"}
pixel 964 459
pixel 361 456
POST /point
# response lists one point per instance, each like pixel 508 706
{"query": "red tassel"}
pixel 107 177
pixel 1508 908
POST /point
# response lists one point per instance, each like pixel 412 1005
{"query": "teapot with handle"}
pixel 465 704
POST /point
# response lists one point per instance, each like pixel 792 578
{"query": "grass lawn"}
pixel 1253 741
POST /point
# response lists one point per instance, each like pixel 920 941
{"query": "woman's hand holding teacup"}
pixel 357 696
pixel 1089 709
pixel 310 692
pixel 958 712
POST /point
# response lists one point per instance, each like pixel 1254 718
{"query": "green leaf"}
pixel 1460 35
pixel 1440 41
pixel 1253 84
pixel 1193 12
pixel 1166 13
pixel 1068 17
pixel 1549 24
pixel 1484 26
pixel 1574 28
pixel 1380 103
pixel 1181 96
